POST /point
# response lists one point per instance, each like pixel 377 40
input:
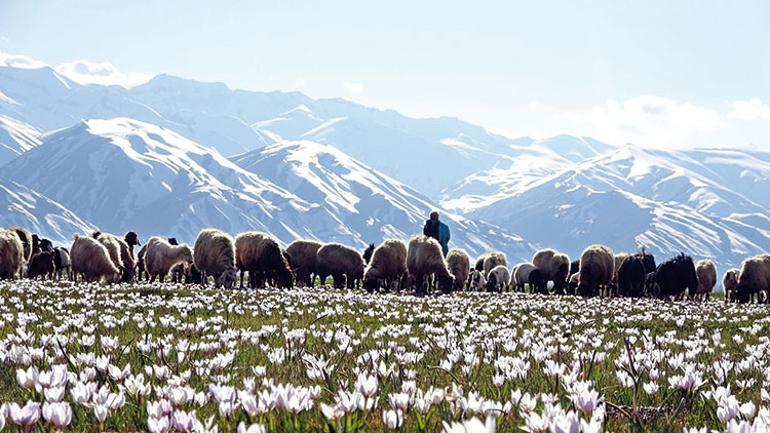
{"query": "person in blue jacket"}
pixel 437 230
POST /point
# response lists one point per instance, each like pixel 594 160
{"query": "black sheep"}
pixel 367 256
pixel 537 282
pixel 479 264
pixel 574 267
pixel 631 277
pixel 492 282
pixel 41 265
pixel 61 261
pixel 648 260
pixel 673 278
pixel 193 275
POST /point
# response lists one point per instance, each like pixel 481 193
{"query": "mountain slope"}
pixel 236 121
pixel 21 206
pixel 530 161
pixel 123 174
pixel 370 204
pixel 666 201
pixel 16 138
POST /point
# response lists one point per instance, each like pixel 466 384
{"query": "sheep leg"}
pixel 419 285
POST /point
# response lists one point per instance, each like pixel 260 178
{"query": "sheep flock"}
pixel 416 266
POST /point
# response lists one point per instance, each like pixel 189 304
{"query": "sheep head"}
pixel 226 279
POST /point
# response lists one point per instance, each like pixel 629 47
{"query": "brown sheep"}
pixel 730 282
pixel 597 268
pixel 42 265
pixel 303 259
pixel 492 259
pixel 11 254
pixel 554 266
pixel 707 279
pixel 115 247
pixel 425 259
pixel 754 278
pixel 126 262
pixel 160 256
pixel 261 256
pixel 25 236
pixel 214 254
pixel 387 266
pixel 344 264
pixel 91 259
pixel 459 266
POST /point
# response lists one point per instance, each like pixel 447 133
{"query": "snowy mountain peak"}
pixel 16 137
pixel 371 205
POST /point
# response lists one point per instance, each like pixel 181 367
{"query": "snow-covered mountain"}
pixel 426 153
pixel 21 206
pixel 336 170
pixel 125 174
pixel 368 204
pixel 16 138
pixel 705 202
pixel 528 162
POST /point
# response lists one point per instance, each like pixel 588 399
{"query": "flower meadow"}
pixel 170 359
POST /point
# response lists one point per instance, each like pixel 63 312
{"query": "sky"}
pixel 654 73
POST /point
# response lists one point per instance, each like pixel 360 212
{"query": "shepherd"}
pixel 437 230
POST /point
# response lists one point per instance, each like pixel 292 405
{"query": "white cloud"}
pixel 354 88
pixel 647 120
pixel 19 61
pixel 753 109
pixel 81 71
pixel 106 74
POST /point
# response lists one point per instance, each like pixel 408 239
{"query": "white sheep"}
pixel 160 256
pixel 527 274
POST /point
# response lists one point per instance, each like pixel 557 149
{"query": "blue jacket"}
pixel 440 233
